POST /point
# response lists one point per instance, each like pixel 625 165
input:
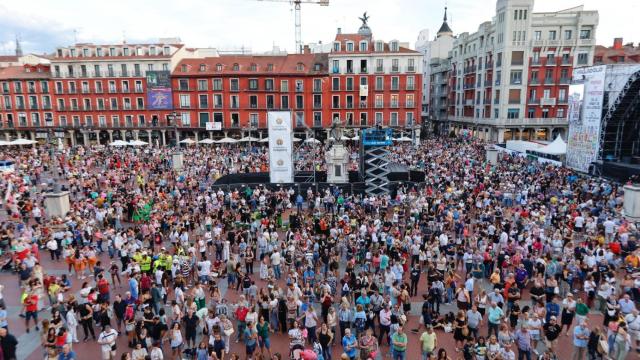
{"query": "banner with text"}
pixel 583 143
pixel 280 147
pixel 159 95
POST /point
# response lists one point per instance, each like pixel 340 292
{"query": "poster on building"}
pixel 576 98
pixel 583 143
pixel 280 147
pixel 159 95
pixel 158 79
pixel 159 99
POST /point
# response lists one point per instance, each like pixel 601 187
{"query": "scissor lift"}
pixel 374 159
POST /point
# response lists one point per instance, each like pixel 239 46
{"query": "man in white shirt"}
pixel 204 270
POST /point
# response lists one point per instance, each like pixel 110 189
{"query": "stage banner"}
pixel 280 147
pixel 583 143
pixel 159 94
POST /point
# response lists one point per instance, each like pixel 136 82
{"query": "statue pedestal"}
pixel 177 161
pixel 492 156
pixel 337 160
pixel 56 204
pixel 632 202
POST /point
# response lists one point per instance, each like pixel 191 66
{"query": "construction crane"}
pixel 297 5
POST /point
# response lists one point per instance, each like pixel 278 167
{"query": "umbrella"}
pixel 312 140
pixel 22 142
pixel 137 143
pixel 264 140
pixel 345 138
pixel 227 140
pixel 3 143
pixel 119 143
pixel 249 138
pixel 295 139
pixel 206 141
pixel 357 137
pixel 188 141
pixel 403 138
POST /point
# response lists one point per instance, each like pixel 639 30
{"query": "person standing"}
pixel 107 339
pixel 495 315
pixel 429 342
pixel 580 341
pixel 8 344
pixel 349 344
pixel 399 344
pixel 415 279
pixel 523 341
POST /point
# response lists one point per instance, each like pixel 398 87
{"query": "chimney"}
pixel 617 43
pixel 306 50
pixel 339 31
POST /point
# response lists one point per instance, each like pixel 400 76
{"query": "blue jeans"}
pixel 276 271
pixel 425 354
pixel 398 355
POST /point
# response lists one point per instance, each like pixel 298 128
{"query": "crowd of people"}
pixel 504 259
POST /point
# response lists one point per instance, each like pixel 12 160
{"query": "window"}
pixel 363 46
pixel 217 84
pixel 299 115
pixel 270 102
pixel 217 101
pixel 562 95
pixel 335 102
pixel 349 46
pixel 269 67
pixel 567 34
pixel 284 85
pixel 395 101
pixel 395 67
pixel 253 67
pixel 99 52
pixel 335 84
pixel 235 120
pixel 336 46
pixel 299 85
pixel 234 84
pixel 253 84
pixel 125 51
pixel 545 113
pixel 317 101
pixel 514 96
pixel 236 67
pixel 336 66
pixel 517 57
pixel 560 113
pixel 253 101
pixel 317 119
pixel 531 113
pixel 379 83
pixel 363 119
pixel 253 120
pixel 537 35
pixel 203 119
pixel 235 103
pixel 411 67
pixel 395 83
pixel 317 85
pixel 284 102
pixel 379 101
pixel 166 50
pixel 552 34
pixel 411 82
pixel 363 81
pixel 349 101
pixel 299 66
pixel 513 113
pixel 379 65
pixel 203 101
pixel 202 85
pixel 409 101
pixel 393 120
pixel 585 34
pixel 186 118
pixel 409 119
pixel 582 58
pixel 183 84
pixel 350 66
pixel 218 67
pixel 349 86
pixel 515 77
pixel 185 101
pixel 112 51
pixel 268 84
pixel 394 46
pixel 379 46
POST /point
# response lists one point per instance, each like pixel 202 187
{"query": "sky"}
pixel 42 25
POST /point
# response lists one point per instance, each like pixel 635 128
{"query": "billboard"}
pixel 583 143
pixel 280 147
pixel 576 100
pixel 159 99
pixel 159 95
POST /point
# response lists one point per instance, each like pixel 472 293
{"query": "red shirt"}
pixel 31 303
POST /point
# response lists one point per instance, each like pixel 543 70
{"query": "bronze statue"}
pixel 364 19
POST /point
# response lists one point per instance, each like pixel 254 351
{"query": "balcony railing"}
pixel 565 81
pixel 533 101
pixel 534 81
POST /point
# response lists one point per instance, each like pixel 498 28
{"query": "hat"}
pixel 552 318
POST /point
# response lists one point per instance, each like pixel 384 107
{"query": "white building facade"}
pixel 510 79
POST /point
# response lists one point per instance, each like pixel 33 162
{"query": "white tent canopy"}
pixel 22 142
pixel 227 140
pixel 119 143
pixel 138 143
pixel 295 139
pixel 206 141
pixel 187 141
pixel 403 138
pixel 557 147
pixel 264 140
pixel 3 143
pixel 249 138
pixel 312 140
